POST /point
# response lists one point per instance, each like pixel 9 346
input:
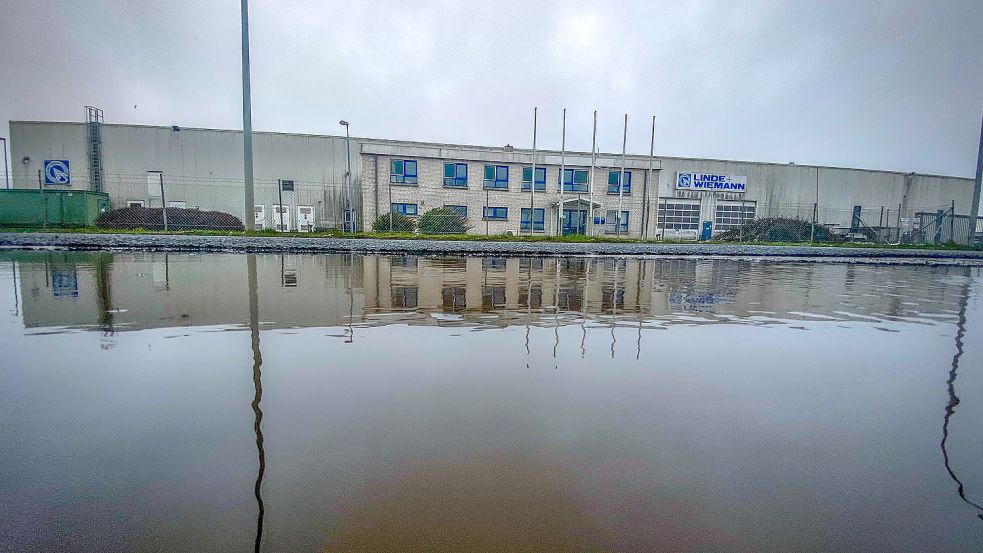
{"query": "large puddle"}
pixel 173 402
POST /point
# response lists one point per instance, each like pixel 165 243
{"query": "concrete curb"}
pixel 263 244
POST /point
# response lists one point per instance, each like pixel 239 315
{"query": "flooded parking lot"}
pixel 232 402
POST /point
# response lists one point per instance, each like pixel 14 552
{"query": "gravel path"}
pixel 311 245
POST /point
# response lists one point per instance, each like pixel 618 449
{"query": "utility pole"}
pixel 621 179
pixel 532 177
pixel 590 180
pixel 974 208
pixel 249 221
pixel 563 174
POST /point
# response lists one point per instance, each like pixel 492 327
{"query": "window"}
pixel 455 299
pixel 730 216
pixel 614 177
pixel 492 297
pixel 134 203
pixel 575 180
pixel 459 210
pixel 611 222
pixel 496 263
pixel 402 171
pixel 456 175
pixel 531 263
pixel 497 177
pixel 497 213
pixel 679 214
pixel 540 178
pixel 405 297
pixel 538 219
pixel 405 261
pixel 404 209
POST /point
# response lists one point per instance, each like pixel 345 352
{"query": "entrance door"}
pixel 305 218
pixel 574 221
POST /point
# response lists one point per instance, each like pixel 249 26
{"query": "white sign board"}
pixel 711 182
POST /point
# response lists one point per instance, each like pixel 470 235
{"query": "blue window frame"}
pixel 459 210
pixel 540 178
pixel 614 177
pixel 611 222
pixel 575 180
pixel 456 175
pixel 405 209
pixel 496 177
pixel 402 171
pixel 496 213
pixel 538 219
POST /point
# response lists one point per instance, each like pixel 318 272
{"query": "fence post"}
pixel 815 215
pixel 952 222
pixel 163 201
pixel 279 209
pixel 740 226
pixel 44 203
pixel 899 222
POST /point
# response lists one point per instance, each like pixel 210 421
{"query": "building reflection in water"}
pixel 113 293
pixel 130 291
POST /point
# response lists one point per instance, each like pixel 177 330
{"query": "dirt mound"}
pixel 177 219
pixel 779 229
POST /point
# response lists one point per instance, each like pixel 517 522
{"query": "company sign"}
pixel 711 182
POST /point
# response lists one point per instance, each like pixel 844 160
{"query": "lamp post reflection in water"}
pixel 258 395
pixel 950 407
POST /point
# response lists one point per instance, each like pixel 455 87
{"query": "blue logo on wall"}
pixel 56 171
pixel 685 179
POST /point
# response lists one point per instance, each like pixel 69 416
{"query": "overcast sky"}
pixel 889 85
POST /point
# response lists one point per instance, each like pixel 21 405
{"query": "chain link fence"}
pixel 878 225
pixel 161 201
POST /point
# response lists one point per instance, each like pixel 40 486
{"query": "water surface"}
pixel 162 402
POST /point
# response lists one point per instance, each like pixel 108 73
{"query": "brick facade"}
pixel 430 193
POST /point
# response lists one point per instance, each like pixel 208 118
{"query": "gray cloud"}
pixel 892 85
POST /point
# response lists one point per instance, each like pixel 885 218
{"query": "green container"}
pixel 53 208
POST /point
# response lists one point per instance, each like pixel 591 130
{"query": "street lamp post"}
pixel 348 174
pixel 249 221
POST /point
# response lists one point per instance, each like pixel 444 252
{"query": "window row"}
pixel 496 177
pixel 491 213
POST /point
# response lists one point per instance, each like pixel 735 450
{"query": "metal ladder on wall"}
pixel 93 122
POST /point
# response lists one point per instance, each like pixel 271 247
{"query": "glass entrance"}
pixel 574 221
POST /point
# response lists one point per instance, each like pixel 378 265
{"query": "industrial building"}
pixel 301 182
